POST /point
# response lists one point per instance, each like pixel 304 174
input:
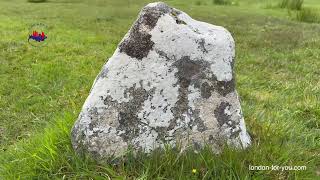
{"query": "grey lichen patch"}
pixel 206 90
pixel 179 21
pixel 196 145
pixel 186 70
pixel 221 115
pixel 78 139
pixel 187 73
pixel 174 13
pixel 103 73
pixel 163 54
pixel 222 87
pixel 139 43
pixel 162 133
pixel 128 119
pixel 201 46
pixel 192 72
pixel 235 133
pixel 197 121
pixel 95 117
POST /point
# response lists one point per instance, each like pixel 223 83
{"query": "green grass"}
pixel 37 1
pixel 304 14
pixel 42 90
pixel 222 2
pixel 292 4
pixel 309 15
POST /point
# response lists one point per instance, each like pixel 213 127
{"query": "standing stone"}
pixel 170 81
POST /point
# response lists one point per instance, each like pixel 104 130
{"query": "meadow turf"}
pixel 42 90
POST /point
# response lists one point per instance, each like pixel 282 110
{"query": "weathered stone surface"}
pixel 170 81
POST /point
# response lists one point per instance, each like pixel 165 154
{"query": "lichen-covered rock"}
pixel 170 81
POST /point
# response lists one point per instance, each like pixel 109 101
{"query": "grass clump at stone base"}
pixel 49 155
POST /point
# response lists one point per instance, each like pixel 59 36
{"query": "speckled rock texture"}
pixel 170 81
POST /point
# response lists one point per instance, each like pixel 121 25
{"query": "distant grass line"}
pixel 222 2
pixel 291 4
pixel 216 2
pixel 309 15
pixel 37 1
pixel 303 14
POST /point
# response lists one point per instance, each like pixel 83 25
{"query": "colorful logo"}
pixel 38 34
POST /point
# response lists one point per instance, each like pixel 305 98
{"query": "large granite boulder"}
pixel 170 81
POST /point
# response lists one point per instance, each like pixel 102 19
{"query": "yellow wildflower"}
pixel 194 171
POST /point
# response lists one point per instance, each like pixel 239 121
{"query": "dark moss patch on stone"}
pixel 94 116
pixel 179 21
pixel 211 138
pixel 197 121
pixel 186 70
pixel 196 145
pixel 139 43
pixel 128 111
pixel 174 13
pixel 220 114
pixel 206 90
pixel 192 72
pixel 201 46
pixel 235 134
pixel 162 133
pixel 225 87
pixel 225 119
pixel 163 55
pixel 221 87
pixel 188 73
pixel 78 138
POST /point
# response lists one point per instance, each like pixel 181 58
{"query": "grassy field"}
pixel 42 90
